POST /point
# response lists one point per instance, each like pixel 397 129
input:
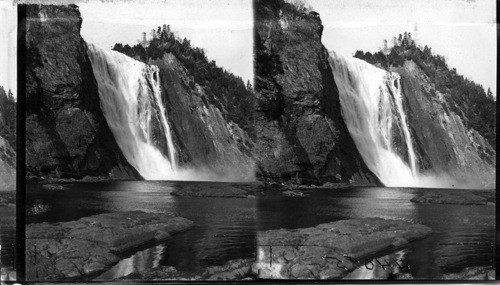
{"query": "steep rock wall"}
pixel 66 133
pixel 300 131
pixel 443 144
pixel 205 141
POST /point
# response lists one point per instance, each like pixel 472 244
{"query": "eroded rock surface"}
pixel 90 245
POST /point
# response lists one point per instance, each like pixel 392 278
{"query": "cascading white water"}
pixel 372 109
pixel 129 92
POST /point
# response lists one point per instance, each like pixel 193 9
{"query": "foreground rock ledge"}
pixel 88 246
pixel 299 254
pixel 314 253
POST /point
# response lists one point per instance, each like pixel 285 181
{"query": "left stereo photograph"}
pixel 127 103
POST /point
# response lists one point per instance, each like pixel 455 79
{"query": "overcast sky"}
pixel 463 31
pixel 223 28
pixel 8 43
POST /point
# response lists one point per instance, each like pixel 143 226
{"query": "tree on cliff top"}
pixel 226 91
pixel 467 99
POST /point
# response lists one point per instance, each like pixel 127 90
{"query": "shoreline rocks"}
pixel 90 245
pixel 457 197
pixel 215 190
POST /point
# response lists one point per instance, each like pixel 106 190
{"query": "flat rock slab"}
pixel 90 245
pixel 219 190
pixel 458 197
pixel 327 250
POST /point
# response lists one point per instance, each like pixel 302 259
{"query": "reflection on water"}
pixel 144 259
pixel 225 228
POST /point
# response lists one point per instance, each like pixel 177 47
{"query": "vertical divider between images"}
pixel 21 146
pixel 497 221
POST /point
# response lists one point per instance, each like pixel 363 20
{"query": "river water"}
pixel 226 228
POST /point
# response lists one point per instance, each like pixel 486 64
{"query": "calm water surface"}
pixel 225 228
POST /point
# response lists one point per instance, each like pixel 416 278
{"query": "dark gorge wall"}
pixel 66 133
pixel 301 135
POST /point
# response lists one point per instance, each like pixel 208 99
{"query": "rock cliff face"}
pixel 300 131
pixel 205 141
pixel 443 144
pixel 66 133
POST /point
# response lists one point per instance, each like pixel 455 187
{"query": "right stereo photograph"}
pixel 378 122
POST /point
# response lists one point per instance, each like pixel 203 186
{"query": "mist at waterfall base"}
pixel 372 108
pixel 130 96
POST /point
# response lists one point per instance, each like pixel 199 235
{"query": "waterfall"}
pixel 372 108
pixel 130 97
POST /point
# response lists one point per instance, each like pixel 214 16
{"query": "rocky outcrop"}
pixel 329 251
pixel 66 133
pixel 300 131
pixel 92 244
pixel 444 145
pixel 205 140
